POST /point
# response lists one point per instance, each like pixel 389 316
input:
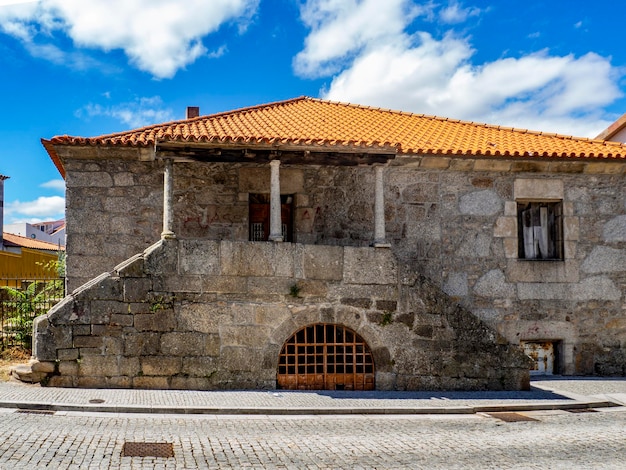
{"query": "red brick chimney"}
pixel 192 112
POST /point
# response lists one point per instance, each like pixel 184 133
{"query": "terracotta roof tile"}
pixel 25 242
pixel 314 122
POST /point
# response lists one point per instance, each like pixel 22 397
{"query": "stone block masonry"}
pixel 203 314
pixel 452 220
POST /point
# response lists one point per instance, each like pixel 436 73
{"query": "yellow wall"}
pixel 31 264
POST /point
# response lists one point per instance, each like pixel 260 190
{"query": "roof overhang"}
pixel 328 155
pixel 54 156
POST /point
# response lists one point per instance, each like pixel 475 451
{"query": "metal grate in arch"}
pixel 325 356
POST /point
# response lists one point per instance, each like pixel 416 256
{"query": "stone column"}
pixel 276 228
pixel 168 192
pixel 379 210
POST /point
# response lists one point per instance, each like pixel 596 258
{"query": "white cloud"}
pixel 14 2
pixel 138 113
pixel 158 36
pixel 56 185
pixel 43 208
pixel 455 13
pixel 341 28
pixel 423 74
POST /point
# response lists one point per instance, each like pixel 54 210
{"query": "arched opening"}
pixel 325 356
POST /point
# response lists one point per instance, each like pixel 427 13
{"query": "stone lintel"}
pixel 538 189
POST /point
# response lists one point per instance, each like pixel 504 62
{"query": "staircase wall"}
pixel 201 314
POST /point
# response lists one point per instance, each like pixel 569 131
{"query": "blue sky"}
pixel 91 67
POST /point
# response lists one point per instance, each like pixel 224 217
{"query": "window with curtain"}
pixel 540 230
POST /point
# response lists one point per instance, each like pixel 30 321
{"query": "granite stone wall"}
pixel 202 314
pixel 451 220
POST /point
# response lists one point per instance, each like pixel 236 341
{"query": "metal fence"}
pixel 21 300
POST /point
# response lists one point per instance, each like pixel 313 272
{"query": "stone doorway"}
pixel 325 357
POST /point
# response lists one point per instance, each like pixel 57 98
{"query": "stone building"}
pixel 313 244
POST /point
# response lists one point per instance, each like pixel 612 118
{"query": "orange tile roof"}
pixel 25 242
pixel 313 122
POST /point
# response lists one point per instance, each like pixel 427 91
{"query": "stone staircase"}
pixel 32 372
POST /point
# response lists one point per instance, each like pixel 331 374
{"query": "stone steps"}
pixel 32 372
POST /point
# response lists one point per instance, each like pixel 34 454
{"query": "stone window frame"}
pixel 537 189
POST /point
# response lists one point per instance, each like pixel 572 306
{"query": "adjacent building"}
pixel 50 231
pixel 24 258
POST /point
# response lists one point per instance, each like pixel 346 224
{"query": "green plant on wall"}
pixel 161 303
pixel 294 290
pixel 386 319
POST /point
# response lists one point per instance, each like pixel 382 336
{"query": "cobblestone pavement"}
pixel 546 393
pixel 556 440
pixel 16 391
pixel 600 388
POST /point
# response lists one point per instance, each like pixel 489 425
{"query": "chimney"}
pixel 192 112
pixel 2 178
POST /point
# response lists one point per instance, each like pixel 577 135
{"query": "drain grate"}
pixel 148 449
pixel 511 417
pixel 582 410
pixel 36 412
pixel 96 400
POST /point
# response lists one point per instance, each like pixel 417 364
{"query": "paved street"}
pixel 558 439
pixel 58 428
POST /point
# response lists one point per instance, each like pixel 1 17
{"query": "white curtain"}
pixel 536 233
pixel 529 235
pixel 543 233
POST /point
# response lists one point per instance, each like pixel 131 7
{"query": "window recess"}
pixel 259 217
pixel 540 230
